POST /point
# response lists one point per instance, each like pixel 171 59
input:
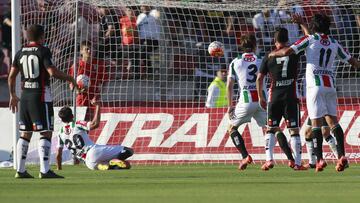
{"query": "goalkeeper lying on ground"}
pixel 74 135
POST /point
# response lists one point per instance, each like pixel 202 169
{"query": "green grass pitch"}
pixel 185 183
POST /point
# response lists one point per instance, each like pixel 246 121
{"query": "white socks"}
pixel 310 151
pixel 332 143
pixel 21 149
pixel 44 154
pixel 269 146
pixel 295 143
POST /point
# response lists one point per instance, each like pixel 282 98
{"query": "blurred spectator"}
pixel 6 30
pixel 94 69
pixel 129 36
pixel 229 38
pixel 109 33
pixel 285 10
pixel 217 91
pixel 4 68
pixel 149 33
pixel 264 24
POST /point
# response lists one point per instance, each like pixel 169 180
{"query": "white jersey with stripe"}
pixel 75 136
pixel 320 50
pixel 244 69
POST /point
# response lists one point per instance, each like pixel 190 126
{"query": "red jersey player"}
pixel 94 69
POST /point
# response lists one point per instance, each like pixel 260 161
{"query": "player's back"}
pixel 283 74
pixel 32 60
pixel 321 51
pixel 75 136
pixel 244 69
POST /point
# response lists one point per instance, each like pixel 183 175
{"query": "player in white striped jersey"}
pixel 321 99
pixel 244 69
pixel 75 136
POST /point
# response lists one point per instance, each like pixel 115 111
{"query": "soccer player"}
pixel 75 136
pixel 283 102
pixel 36 107
pixel 310 145
pixel 244 68
pixel 321 99
pixel 94 69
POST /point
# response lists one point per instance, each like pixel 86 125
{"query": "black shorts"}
pixel 289 109
pixel 35 115
pixel 323 122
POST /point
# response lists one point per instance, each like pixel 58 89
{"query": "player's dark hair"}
pixel 281 35
pixel 85 43
pixel 320 22
pixel 35 32
pixel 66 114
pixel 248 42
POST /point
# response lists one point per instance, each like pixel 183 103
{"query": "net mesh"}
pixel 148 63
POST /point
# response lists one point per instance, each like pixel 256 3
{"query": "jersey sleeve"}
pixel 301 44
pixel 15 62
pixel 83 125
pixel 263 67
pixel 342 54
pixel 60 142
pixel 47 58
pixel 231 72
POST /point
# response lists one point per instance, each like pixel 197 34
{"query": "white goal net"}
pixel 148 63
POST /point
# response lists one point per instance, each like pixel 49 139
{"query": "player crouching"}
pixel 75 136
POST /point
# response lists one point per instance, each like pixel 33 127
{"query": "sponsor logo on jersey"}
pixel 249 58
pixel 325 42
pixel 67 130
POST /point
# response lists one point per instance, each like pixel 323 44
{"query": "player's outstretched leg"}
pixel 285 148
pixel 269 148
pixel 318 140
pixel 339 135
pixel 296 147
pixel 22 149
pixel 240 146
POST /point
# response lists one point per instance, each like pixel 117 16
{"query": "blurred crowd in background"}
pixel 167 43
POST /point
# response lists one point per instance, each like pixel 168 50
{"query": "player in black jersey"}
pixel 34 63
pixel 282 102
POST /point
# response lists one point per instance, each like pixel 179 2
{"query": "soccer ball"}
pixel 216 49
pixel 83 81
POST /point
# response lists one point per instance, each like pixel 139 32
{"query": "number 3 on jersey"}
pixel 252 73
pixel 30 66
pixel 284 60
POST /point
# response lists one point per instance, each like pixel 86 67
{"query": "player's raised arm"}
pixel 96 120
pixel 354 62
pixel 54 72
pixel 59 158
pixel 297 18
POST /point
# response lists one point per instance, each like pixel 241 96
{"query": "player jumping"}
pixel 321 98
pixel 74 135
pixel 244 68
pixel 283 102
pixel 36 107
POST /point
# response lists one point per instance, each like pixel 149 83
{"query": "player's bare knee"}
pixel 47 134
pixel 294 131
pixel 26 135
pixel 232 129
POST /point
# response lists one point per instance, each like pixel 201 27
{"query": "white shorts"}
pixel 245 111
pixel 321 101
pixel 101 154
